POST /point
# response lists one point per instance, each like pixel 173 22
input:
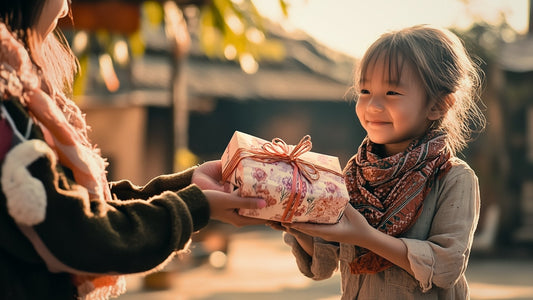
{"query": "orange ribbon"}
pixel 279 151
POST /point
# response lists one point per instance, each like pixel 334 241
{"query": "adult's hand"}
pixel 208 176
pixel 224 207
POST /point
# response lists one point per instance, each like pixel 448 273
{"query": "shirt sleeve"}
pixel 442 258
pixel 133 234
pixel 179 183
pixel 322 264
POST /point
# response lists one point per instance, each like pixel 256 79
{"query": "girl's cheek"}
pixel 359 109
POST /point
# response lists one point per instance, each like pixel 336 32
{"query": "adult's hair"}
pixel 51 55
pixel 55 63
pixel 21 14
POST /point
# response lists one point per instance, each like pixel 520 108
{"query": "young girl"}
pixel 414 205
pixel 65 233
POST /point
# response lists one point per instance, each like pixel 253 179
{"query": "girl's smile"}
pixel 377 123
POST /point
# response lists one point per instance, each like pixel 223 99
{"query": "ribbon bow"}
pixel 278 150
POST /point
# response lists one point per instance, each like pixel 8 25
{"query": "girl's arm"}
pixel 439 259
pixel 305 241
pixel 442 258
pixel 353 229
pixel 391 248
pixel 315 258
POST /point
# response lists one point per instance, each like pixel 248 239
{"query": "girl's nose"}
pixel 375 104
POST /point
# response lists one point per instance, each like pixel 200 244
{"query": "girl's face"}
pixel 53 10
pixel 393 112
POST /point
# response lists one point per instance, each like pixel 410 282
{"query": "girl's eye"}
pixel 393 93
pixel 363 91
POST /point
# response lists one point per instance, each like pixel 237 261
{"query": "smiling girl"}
pixel 414 205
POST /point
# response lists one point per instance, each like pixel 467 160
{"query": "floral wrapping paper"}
pixel 321 201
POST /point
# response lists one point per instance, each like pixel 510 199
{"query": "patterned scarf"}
pixel 389 192
pixel 65 132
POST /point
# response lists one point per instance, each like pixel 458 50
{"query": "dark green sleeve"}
pixel 124 236
pixel 134 233
pixel 178 182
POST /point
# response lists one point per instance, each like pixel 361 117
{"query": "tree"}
pixel 232 30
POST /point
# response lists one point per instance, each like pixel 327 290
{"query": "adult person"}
pixel 65 232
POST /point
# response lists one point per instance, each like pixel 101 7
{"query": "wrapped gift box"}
pixel 259 173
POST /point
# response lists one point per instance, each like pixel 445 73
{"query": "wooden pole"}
pixel 176 28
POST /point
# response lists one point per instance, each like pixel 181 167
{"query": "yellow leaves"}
pixel 80 83
pixel 184 158
pixel 210 35
pixel 233 30
pixel 153 12
pixel 284 5
pixel 228 30
pixel 136 44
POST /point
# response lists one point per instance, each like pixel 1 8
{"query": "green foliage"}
pixel 229 29
pixel 484 40
pixel 234 30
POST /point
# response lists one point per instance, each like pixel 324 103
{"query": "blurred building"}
pixel 517 95
pixel 305 92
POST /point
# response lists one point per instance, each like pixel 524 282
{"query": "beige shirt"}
pixel 438 248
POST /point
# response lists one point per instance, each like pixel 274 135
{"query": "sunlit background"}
pixel 363 21
pixel 175 79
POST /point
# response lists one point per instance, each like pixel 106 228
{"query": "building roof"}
pixel 309 71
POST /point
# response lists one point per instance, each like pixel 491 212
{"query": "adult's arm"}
pixel 82 235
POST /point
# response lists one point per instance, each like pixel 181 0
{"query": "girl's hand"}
pixel 208 176
pixel 224 207
pixel 305 240
pixel 351 228
pixel 276 225
pixel 286 227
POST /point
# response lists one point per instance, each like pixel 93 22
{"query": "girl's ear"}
pixel 440 108
pixel 435 113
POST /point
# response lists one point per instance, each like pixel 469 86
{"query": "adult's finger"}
pixel 208 176
pixel 233 200
pixel 222 201
pixel 212 169
pixel 207 183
